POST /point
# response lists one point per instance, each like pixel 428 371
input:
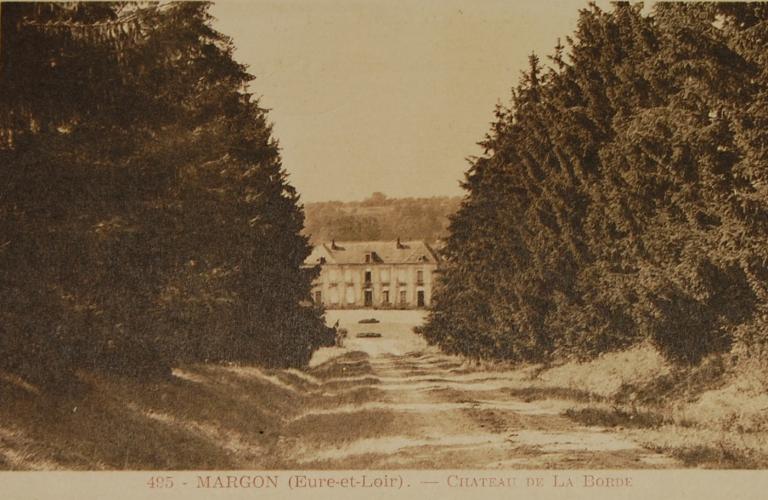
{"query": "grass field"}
pixel 395 327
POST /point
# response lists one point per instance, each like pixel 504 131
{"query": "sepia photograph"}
pixel 383 237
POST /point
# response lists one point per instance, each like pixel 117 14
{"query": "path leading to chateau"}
pixel 378 403
pixel 392 402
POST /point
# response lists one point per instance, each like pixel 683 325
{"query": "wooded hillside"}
pixel 380 218
pixel 623 195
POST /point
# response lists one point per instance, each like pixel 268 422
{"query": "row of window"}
pixel 368 297
pixel 402 275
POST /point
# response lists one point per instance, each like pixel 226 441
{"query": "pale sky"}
pixel 386 95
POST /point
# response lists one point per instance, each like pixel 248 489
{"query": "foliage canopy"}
pixel 146 219
pixel 621 196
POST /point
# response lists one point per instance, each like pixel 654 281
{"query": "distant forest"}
pixel 380 218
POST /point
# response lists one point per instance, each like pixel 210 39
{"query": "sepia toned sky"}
pixel 386 95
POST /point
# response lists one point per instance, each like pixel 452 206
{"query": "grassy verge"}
pixel 712 415
pixel 203 417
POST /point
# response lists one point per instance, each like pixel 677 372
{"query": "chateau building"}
pixel 376 274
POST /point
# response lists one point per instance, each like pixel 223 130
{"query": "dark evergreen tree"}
pixel 147 219
pixel 618 199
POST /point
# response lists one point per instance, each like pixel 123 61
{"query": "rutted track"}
pixel 426 410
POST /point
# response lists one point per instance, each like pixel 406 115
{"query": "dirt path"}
pixel 386 402
pixel 426 410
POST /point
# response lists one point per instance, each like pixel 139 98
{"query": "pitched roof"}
pixel 382 252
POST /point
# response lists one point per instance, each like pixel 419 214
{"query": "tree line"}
pixel 622 196
pixel 379 217
pixel 145 216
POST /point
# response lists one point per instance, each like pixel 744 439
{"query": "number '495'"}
pixel 160 482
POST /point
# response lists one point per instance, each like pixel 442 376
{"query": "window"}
pixel 384 274
pixel 385 297
pixel 335 296
pixel 403 297
pixel 318 297
pixel 419 277
pixel 350 295
pixel 368 276
pixel 402 275
pixel 367 258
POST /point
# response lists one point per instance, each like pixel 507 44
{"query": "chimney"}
pixel 399 245
pixel 333 245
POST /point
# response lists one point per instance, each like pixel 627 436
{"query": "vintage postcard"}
pixel 383 248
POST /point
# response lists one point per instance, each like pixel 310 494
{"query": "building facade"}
pixel 374 274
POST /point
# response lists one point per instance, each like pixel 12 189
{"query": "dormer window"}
pixel 321 260
pixel 368 258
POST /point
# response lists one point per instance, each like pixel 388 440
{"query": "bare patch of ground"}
pixel 428 417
